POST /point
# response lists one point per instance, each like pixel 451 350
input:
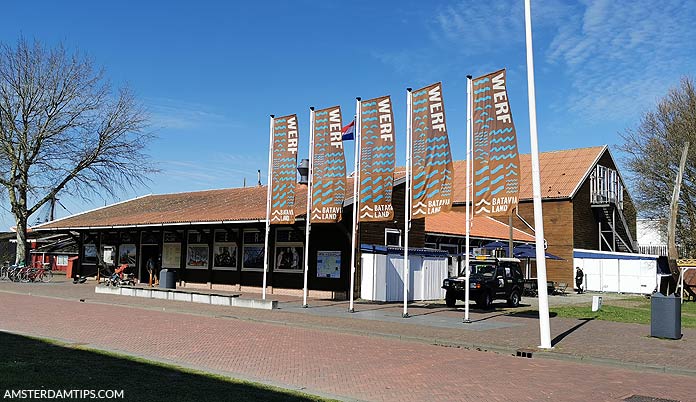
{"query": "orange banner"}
pixel 495 155
pixel 431 157
pixel 328 167
pixel 377 160
pixel 283 176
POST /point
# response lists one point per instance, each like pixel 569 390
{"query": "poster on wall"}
pixel 289 258
pixel 171 255
pixel 197 256
pixel 253 257
pixel 127 254
pixel 225 255
pixel 90 252
pixel 328 264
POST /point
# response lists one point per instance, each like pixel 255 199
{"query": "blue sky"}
pixel 210 72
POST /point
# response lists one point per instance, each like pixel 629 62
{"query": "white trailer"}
pixel 607 271
pixel 382 273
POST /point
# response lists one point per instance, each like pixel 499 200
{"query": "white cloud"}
pixel 182 115
pixel 621 56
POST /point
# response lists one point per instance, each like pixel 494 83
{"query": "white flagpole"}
pixel 268 209
pixel 469 112
pixel 356 204
pixel 309 205
pixel 407 198
pixel 544 325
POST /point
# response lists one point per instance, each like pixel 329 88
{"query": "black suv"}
pixel 490 278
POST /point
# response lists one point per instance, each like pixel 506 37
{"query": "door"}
pixel 149 252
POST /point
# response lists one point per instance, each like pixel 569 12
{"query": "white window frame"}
pixel 189 245
pixel 245 245
pixel 226 244
pixel 386 236
pixel 294 244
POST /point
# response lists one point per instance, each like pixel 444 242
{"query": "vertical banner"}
pixel 431 156
pixel 283 176
pixel 329 167
pixel 377 160
pixel 496 158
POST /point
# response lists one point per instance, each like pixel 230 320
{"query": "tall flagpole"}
pixel 309 205
pixel 544 325
pixel 407 198
pixel 356 203
pixel 268 208
pixel 468 191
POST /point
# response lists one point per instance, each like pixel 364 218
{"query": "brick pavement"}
pixel 326 361
pixel 620 343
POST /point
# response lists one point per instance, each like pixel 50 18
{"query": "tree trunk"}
pixel 21 239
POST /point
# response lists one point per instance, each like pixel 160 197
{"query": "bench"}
pixel 560 288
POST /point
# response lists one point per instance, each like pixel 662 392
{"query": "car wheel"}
pixel 514 299
pixel 450 300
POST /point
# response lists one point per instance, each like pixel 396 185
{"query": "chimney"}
pixel 258 177
pixel 303 170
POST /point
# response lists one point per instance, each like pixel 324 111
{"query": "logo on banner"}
pixel 432 159
pixel 377 160
pixel 329 167
pixel 496 159
pixel 284 153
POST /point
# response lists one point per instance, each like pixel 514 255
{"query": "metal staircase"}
pixel 606 198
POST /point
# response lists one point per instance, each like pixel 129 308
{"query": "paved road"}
pixel 330 361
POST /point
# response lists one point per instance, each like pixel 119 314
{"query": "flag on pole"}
pixel 496 161
pixel 284 154
pixel 377 160
pixel 431 157
pixel 328 167
pixel 348 132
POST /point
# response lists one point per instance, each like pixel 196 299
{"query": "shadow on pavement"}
pixel 562 335
pixel 34 364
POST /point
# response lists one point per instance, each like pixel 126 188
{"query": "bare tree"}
pixel 654 152
pixel 63 129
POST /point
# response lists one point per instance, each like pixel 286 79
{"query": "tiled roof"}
pixel 454 223
pixel 561 172
pixel 234 204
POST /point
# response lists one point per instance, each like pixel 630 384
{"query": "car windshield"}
pixel 486 270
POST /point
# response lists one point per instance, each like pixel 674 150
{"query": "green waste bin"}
pixel 665 316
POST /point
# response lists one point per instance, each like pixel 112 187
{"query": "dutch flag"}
pixel 348 132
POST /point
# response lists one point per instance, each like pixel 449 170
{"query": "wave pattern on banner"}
pixel 284 153
pixel 496 158
pixel 432 159
pixel 377 160
pixel 329 167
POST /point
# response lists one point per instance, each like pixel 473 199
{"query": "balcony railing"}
pixel 606 187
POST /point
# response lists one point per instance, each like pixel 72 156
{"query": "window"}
pixel 289 250
pixel 197 253
pixel 171 249
pixel 253 254
pixel 127 254
pixel 62 260
pixel 392 237
pixel 225 250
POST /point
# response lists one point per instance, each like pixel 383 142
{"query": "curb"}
pixel 501 350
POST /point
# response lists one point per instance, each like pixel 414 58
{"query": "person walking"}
pixel 579 277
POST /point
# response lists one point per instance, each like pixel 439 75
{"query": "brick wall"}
pixel 373 232
pixel 558 231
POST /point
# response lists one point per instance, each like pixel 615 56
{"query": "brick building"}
pixel 215 238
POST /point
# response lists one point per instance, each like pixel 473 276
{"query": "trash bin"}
pixel 167 279
pixel 665 316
